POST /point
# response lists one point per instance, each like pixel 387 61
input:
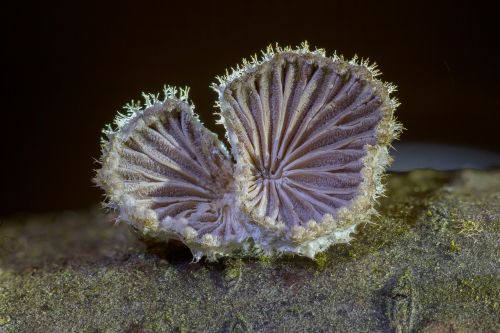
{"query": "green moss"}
pixel 479 290
pixel 405 277
pixel 321 260
pixel 482 288
pixel 4 320
pixel 454 247
pixel 233 273
pixel 264 259
pixel 469 228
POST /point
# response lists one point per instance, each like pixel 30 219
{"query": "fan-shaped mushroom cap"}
pixel 170 177
pixel 309 134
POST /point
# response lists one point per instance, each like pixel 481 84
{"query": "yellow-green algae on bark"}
pixel 429 263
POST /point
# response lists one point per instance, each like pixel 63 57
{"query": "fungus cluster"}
pixel 309 137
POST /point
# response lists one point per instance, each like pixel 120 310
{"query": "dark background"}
pixel 71 65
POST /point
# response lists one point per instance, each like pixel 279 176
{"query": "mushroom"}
pixel 309 135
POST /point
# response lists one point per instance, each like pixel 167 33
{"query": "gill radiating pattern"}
pixel 301 125
pixel 169 163
pixel 309 134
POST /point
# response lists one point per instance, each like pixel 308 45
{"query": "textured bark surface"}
pixel 429 263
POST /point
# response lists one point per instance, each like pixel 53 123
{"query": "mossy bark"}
pixel 429 263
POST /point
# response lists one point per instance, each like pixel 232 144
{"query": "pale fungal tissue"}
pixel 309 137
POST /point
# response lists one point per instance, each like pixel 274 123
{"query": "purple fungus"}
pixel 309 136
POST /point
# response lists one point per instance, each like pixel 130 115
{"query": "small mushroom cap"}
pixel 170 177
